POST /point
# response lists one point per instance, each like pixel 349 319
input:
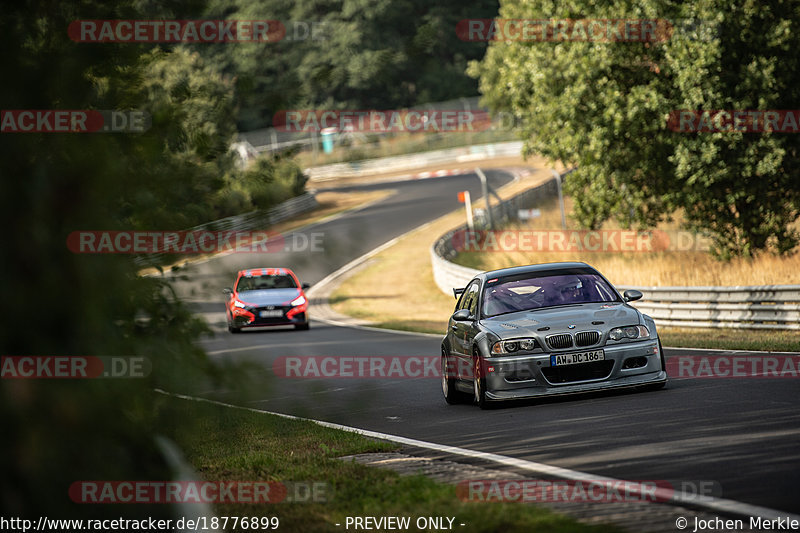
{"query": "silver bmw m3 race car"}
pixel 547 329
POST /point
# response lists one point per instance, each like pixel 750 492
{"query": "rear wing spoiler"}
pixel 459 292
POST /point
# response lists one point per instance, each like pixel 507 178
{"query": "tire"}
pixel 451 394
pixel 230 325
pixel 302 327
pixel 478 382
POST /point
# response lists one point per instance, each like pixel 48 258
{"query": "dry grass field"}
pixel 661 268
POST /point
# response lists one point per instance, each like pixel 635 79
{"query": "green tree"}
pixel 59 303
pixel 266 182
pixel 604 106
pixel 193 125
pixel 369 54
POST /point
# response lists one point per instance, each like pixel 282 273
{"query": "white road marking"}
pixel 707 503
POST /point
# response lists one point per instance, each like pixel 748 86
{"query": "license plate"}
pixel 577 358
pixel 270 314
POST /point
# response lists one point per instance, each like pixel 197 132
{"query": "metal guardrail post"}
pixel 559 177
pixel 485 190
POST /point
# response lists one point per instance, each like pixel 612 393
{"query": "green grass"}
pixel 230 444
pixel 731 339
pixel 418 326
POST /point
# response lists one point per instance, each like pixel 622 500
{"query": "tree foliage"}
pixel 604 106
pixel 367 54
pixel 56 303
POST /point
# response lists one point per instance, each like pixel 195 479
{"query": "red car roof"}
pixel 265 272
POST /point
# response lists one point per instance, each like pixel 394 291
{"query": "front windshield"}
pixel 265 282
pixel 508 295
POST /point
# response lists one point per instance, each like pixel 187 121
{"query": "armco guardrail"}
pixel 260 219
pixel 447 274
pixel 398 163
pixel 252 221
pixel 752 307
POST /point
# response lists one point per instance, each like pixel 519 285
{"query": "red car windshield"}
pixel 265 282
pixel 503 296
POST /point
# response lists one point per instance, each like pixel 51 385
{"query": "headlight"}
pixel 240 305
pixel 300 300
pixel 629 332
pixel 512 346
pixel 528 344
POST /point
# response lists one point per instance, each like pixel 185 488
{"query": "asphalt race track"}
pixel 743 434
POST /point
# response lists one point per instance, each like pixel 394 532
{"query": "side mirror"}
pixel 305 286
pixel 227 290
pixel 632 295
pixel 462 315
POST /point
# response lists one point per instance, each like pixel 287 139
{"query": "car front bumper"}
pixel 631 364
pixel 258 322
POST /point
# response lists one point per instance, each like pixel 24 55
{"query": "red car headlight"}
pixel 299 305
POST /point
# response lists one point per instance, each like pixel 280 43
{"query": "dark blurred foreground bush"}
pixel 54 302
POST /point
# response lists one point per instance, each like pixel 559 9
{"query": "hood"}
pixel 524 323
pixel 269 296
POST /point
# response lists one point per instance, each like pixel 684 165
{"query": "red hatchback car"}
pixel 266 297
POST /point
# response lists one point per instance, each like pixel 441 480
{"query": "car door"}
pixel 461 333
